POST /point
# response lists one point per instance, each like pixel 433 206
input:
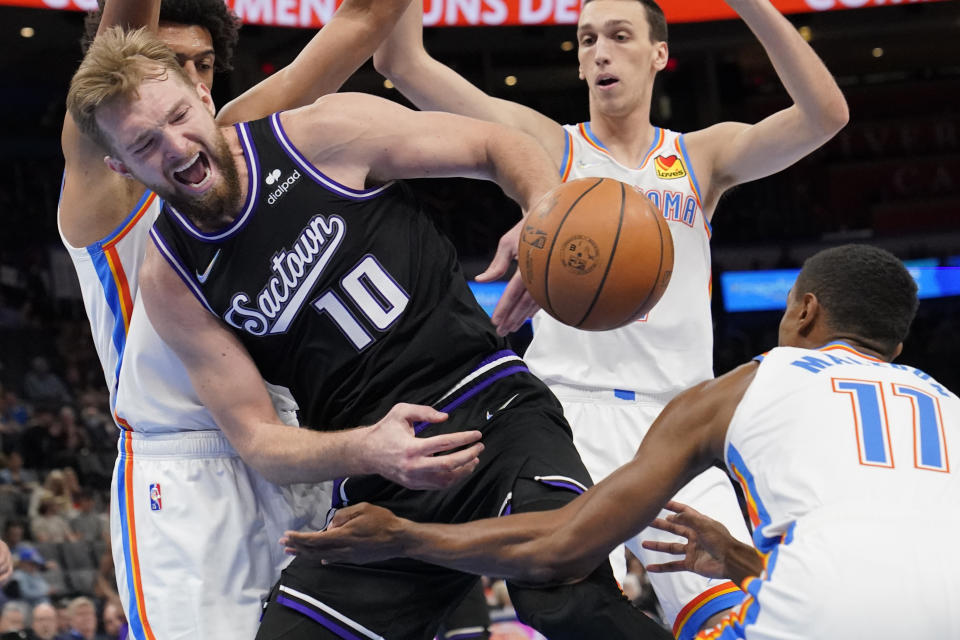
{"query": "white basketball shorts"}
pixel 195 535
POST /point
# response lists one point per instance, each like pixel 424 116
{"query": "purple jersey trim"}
pixel 315 174
pixel 330 625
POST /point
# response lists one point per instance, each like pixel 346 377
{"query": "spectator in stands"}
pixel 13 536
pixel 87 524
pixel 83 620
pixel 114 622
pixel 14 475
pixel 71 489
pixel 644 598
pixel 44 621
pixel 13 411
pixel 49 525
pixel 13 618
pixel 40 442
pixel 63 618
pixel 59 485
pixel 75 438
pixel 43 387
pixel 28 583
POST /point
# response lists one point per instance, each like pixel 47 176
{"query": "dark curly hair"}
pixel 865 290
pixel 213 15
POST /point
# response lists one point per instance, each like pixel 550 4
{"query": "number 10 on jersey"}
pixel 378 297
pixel 873 430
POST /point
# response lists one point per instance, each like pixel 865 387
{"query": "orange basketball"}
pixel 596 254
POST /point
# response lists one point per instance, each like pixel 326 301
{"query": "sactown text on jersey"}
pixel 296 271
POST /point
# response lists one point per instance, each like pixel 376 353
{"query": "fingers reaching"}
pixel 449 441
pixel 515 306
pixel 667 567
pixel 497 267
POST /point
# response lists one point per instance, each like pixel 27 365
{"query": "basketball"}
pixel 595 254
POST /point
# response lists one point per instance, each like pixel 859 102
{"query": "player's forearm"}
pixel 519 165
pixel 323 65
pixel 340 48
pixel 288 455
pixel 130 14
pixel 804 76
pixel 517 547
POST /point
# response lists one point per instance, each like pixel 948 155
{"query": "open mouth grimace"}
pixel 194 172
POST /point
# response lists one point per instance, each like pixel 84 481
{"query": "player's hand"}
pixel 359 534
pixel 516 304
pixel 704 550
pixel 394 452
pixel 6 563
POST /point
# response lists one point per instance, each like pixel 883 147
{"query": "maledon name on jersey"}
pixel 350 298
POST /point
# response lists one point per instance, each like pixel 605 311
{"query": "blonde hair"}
pixel 115 66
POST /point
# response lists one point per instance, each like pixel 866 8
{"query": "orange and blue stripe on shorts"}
pixel 712 601
pixel 137 613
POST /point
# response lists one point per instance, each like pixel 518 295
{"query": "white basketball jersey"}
pixel 671 348
pixel 150 390
pixel 836 431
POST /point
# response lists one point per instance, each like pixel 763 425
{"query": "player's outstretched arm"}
pixel 433 86
pixel 360 139
pixel 732 153
pixel 83 158
pixel 229 385
pixel 562 545
pixel 331 56
pixel 710 550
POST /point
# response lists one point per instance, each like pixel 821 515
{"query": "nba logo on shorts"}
pixel 155 501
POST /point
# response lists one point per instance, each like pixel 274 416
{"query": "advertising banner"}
pixel 450 13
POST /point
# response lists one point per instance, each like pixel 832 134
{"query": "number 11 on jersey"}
pixel 873 430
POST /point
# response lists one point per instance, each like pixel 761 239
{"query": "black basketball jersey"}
pixel 351 299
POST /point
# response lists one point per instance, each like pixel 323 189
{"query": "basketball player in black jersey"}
pixel 286 247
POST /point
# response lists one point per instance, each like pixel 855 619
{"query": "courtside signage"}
pixel 449 13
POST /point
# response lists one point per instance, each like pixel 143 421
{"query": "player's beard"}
pixel 218 206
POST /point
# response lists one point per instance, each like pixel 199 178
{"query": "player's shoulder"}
pixel 338 116
pixel 731 383
pixel 710 397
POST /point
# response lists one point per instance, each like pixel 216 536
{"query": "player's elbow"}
pixel 833 114
pixel 401 67
pixel 838 113
pixel 387 64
